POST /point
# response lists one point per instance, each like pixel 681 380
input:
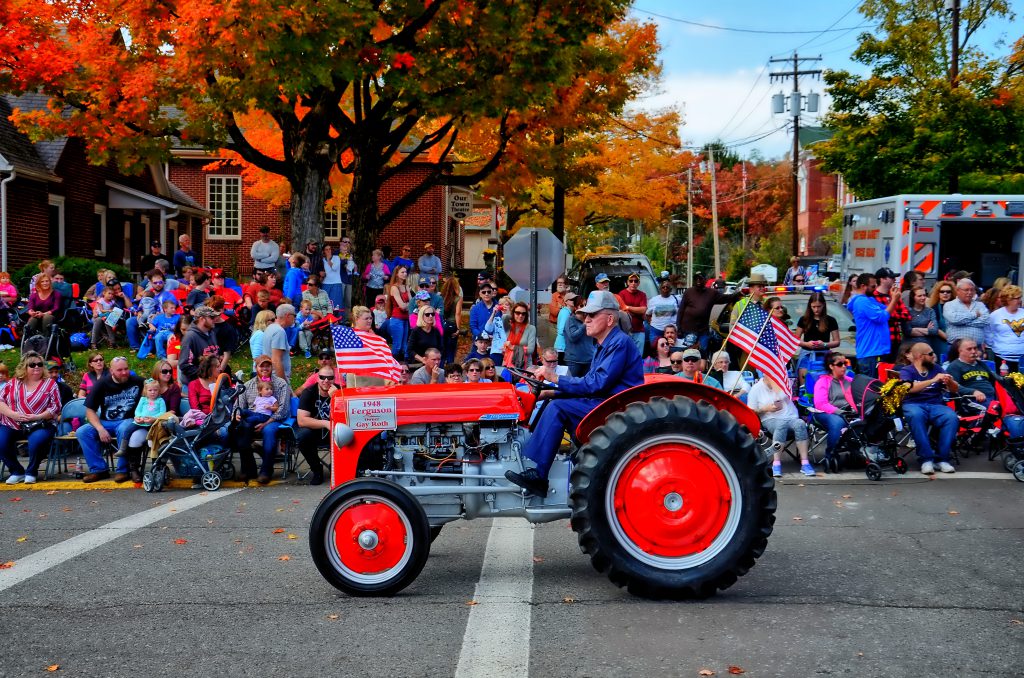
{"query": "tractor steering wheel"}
pixel 536 385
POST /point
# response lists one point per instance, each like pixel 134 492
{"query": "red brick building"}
pixel 820 192
pixel 54 203
pixel 236 215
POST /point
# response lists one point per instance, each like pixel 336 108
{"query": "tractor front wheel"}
pixel 369 537
pixel 671 499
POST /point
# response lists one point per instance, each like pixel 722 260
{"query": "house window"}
pixel 56 226
pixel 99 230
pixel 335 226
pixel 224 201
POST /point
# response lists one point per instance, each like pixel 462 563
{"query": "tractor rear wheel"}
pixel 672 499
pixel 369 537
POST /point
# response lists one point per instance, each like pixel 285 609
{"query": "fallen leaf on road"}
pixel 136 546
pixel 22 539
pixel 181 541
pixel 847 496
pixel 954 513
pixel 209 522
pixel 1016 621
pixel 15 498
pixel 735 670
pixel 568 599
pixel 6 566
pixel 332 617
pixel 296 501
pixel 894 493
pixel 797 518
pixel 66 509
pixel 53 667
pixel 285 558
pixel 705 672
pixel 279 530
pixel 538 559
pixel 839 503
pixel 292 536
pixel 472 602
pixel 281 510
pixel 51 493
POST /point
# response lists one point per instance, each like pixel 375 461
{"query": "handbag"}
pixel 30 427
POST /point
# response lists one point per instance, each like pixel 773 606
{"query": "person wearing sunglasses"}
pixel 616 367
pixel 521 337
pixel 924 407
pixel 686 365
pixel 29 407
pixel 426 334
pixel 833 397
pixel 474 370
pixel 483 309
pixel 313 418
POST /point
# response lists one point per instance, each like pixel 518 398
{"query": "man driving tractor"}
pixel 616 366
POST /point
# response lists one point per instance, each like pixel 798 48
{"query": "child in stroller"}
pixel 867 440
pixel 197 452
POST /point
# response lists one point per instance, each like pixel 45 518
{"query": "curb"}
pixel 106 485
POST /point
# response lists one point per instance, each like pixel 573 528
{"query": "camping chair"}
pixel 57 459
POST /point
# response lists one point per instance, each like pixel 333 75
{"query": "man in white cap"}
pixel 686 365
pixel 616 366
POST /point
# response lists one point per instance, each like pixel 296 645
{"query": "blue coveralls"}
pixel 616 367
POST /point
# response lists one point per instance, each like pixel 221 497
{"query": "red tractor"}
pixel 664 484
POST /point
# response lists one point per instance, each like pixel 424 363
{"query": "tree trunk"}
pixel 309 195
pixel 363 215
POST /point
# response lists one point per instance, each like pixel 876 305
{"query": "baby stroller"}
pixel 197 452
pixel 1013 454
pixel 870 441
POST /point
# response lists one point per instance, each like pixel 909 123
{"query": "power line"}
pixel 746 30
pixel 742 103
pixel 830 27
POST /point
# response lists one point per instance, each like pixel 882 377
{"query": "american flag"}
pixel 775 347
pixel 363 353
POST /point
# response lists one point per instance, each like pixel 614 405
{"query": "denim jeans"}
pixel 89 439
pixel 638 339
pixel 780 428
pixel 244 434
pixel 919 416
pixel 38 443
pixel 161 340
pixel 868 365
pixel 131 329
pixel 398 328
pixel 834 425
pixel 557 417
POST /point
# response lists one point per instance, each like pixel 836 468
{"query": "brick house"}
pixel 819 192
pixel 236 216
pixel 54 203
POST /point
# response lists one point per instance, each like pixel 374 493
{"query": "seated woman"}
pixel 29 409
pixel 779 416
pixel 659 363
pixel 43 304
pixel 833 395
pixel 732 381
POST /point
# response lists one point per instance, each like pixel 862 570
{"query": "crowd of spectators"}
pixel 193 319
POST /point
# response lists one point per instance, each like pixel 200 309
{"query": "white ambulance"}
pixel 935 234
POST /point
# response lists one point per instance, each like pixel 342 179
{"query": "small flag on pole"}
pixel 768 341
pixel 363 353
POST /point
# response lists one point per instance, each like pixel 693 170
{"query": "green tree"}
pixel 906 127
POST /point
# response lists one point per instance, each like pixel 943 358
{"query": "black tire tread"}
pixel 595 458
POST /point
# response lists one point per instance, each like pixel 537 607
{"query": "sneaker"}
pixel 308 355
pixel 928 468
pixel 30 480
pixel 777 469
pixel 944 466
pixel 807 469
pixel 14 479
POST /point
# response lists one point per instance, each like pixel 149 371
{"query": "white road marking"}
pixel 889 474
pixel 51 556
pixel 497 639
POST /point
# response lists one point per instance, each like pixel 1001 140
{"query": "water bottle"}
pixel 79 468
pixel 1004 369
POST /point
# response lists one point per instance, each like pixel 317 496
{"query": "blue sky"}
pixel 719 78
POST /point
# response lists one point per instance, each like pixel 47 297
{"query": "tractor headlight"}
pixel 343 435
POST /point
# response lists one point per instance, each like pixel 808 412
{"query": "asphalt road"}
pixel 906 577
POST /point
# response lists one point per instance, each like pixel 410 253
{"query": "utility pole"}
pixel 689 227
pixel 743 204
pixel 795 104
pixel 953 7
pixel 714 208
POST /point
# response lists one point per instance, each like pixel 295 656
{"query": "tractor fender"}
pixel 666 386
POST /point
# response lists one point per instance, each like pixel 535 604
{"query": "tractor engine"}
pixel 421 453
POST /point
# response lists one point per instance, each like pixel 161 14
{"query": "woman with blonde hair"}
pixel 259 326
pixel 426 334
pixel 1005 335
pixel 362 321
pixel 29 408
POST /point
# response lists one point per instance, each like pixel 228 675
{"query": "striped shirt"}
pixel 45 398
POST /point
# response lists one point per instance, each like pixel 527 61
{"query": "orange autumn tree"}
pixel 343 83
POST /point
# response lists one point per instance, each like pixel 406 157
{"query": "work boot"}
pixel 530 480
pixel 93 477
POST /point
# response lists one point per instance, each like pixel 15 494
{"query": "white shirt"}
pixel 1005 333
pixel 761 397
pixel 663 311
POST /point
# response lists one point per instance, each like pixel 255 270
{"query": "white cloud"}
pixel 708 102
